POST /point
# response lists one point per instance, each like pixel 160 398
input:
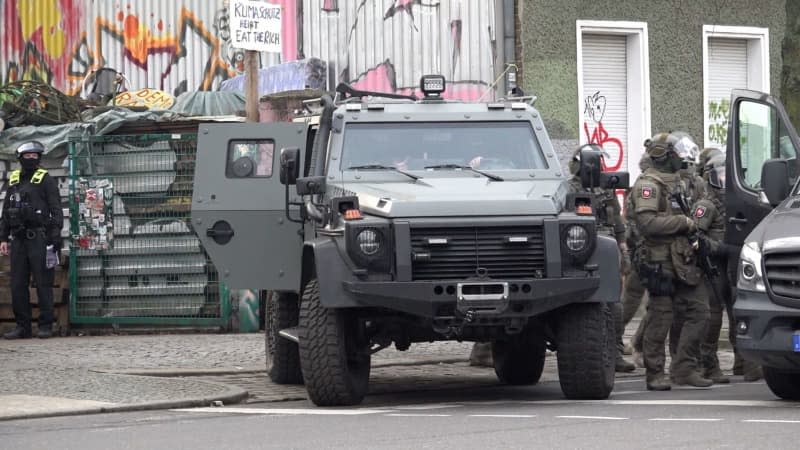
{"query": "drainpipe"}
pixel 509 46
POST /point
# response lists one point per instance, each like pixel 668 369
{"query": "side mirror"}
pixel 615 180
pixel 591 167
pixel 775 180
pixel 290 165
pixel 311 185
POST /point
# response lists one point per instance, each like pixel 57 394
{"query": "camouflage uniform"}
pixel 667 264
pixel 709 214
pixel 633 290
pixel 610 223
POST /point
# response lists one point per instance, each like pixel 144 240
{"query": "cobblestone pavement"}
pixel 111 369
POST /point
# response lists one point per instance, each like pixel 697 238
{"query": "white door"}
pixel 727 70
pixel 605 90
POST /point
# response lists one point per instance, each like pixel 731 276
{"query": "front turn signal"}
pixel 352 214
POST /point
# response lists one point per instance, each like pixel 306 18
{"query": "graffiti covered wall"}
pixel 184 45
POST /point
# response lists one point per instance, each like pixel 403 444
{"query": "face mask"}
pixel 675 163
pixel 29 164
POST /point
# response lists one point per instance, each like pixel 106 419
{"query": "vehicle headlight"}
pixel 576 238
pixel 370 245
pixel 577 242
pixel 751 276
pixel 369 241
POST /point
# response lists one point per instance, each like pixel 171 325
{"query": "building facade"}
pixel 616 72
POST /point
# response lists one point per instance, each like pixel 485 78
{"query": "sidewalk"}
pixel 83 375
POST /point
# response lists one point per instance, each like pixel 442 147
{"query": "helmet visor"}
pixel 716 177
pixel 687 149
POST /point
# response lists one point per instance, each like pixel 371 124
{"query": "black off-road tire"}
pixel 335 364
pixel 586 351
pixel 283 355
pixel 785 385
pixel 519 360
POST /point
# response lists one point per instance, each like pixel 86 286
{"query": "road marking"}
pixel 770 421
pixel 417 415
pixel 288 411
pixel 592 417
pixel 683 419
pixel 676 402
pixel 430 406
pixel 503 416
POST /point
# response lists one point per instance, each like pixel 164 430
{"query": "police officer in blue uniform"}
pixel 32 220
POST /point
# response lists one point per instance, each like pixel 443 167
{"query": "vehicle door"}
pixel 238 205
pixel 758 130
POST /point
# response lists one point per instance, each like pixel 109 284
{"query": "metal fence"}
pixel 134 258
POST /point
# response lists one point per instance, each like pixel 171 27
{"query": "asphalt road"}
pixel 739 415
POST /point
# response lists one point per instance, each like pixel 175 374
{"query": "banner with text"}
pixel 255 25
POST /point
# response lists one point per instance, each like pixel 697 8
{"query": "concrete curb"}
pixel 231 395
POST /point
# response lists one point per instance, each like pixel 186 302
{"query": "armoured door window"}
pixel 762 136
pixel 250 159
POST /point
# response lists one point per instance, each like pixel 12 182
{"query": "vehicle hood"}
pixel 779 230
pixel 459 196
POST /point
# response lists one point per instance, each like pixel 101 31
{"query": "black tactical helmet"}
pixel 30 147
pixel 660 145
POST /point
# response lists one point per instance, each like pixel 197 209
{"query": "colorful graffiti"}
pixel 594 110
pixel 185 46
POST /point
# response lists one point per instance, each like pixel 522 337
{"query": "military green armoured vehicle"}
pixel 393 220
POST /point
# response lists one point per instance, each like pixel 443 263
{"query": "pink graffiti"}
pixel 596 109
pixel 382 79
pixel 600 137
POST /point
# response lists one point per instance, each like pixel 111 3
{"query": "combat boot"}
pixel 481 355
pixel 752 372
pixel 17 333
pixel 738 362
pixel 693 379
pixel 44 333
pixel 623 365
pixel 715 374
pixel 658 383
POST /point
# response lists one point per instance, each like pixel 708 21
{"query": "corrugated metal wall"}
pixel 183 45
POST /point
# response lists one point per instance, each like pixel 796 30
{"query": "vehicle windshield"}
pixel 435 146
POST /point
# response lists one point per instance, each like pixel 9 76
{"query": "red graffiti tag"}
pixel 600 137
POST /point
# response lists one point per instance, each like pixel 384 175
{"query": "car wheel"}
pixel 333 353
pixel 586 350
pixel 785 385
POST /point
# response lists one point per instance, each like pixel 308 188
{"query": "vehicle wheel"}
pixel 283 355
pixel 785 385
pixel 586 351
pixel 519 360
pixel 334 357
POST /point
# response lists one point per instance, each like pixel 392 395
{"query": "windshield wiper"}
pixel 456 166
pixel 380 167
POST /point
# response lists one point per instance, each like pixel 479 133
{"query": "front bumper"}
pixel 435 299
pixel 771 328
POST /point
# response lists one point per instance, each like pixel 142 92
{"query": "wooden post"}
pixel 251 84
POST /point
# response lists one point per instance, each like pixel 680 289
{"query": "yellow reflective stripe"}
pixel 38 176
pixel 14 177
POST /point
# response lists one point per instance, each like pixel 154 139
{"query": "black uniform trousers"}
pixel 29 257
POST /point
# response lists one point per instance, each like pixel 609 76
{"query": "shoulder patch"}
pixel 647 192
pixel 700 212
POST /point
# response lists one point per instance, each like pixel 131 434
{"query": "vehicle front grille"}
pixel 464 252
pixel 783 274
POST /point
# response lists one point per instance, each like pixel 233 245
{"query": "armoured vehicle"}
pixel 763 209
pixel 389 219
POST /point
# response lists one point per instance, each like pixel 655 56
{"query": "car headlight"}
pixel 369 241
pixel 576 238
pixel 751 276
pixel 370 245
pixel 577 242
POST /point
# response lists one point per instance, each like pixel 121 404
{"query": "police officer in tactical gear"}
pixel 32 219
pixel 709 215
pixel 667 264
pixel 609 222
